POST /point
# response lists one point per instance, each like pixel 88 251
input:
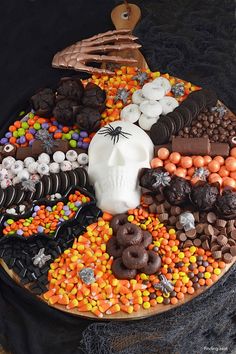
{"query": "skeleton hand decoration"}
pixel 77 55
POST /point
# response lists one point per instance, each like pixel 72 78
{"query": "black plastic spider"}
pixel 114 133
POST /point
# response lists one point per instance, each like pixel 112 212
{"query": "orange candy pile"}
pixel 220 170
pixel 109 295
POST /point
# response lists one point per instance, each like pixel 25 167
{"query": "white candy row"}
pixel 14 171
pixel 149 103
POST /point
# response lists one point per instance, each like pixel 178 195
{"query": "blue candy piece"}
pixel 36 208
pixel 83 134
pixel 45 125
pixel 75 136
pixel 40 229
pixel 20 232
pixel 22 140
pixel 80 143
pixel 32 131
pixel 85 145
pixel 4 141
pixel 77 204
pixel 8 135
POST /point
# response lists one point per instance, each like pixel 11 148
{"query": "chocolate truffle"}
pixel 43 102
pixel 204 195
pixel 88 119
pixel 226 204
pixel 70 87
pixel 178 191
pixel 155 179
pixel 64 111
pixel 94 97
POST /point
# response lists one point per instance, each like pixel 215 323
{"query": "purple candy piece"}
pixel 36 208
pixel 22 140
pixel 32 131
pixel 79 144
pixel 77 204
pixel 33 215
pixel 4 141
pixel 49 208
pixel 67 212
pixel 75 136
pixel 18 141
pixel 45 125
pixel 85 145
pixel 8 135
pixel 60 126
pixel 40 229
pixel 66 207
pixel 31 142
pixel 20 232
pixel 84 134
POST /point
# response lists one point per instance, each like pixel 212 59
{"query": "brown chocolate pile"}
pixel 217 125
pixel 210 233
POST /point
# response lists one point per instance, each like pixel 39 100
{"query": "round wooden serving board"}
pixel 159 308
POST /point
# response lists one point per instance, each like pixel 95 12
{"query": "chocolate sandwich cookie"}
pixel 56 182
pixel 10 196
pixel 82 176
pixel 72 177
pixel 186 114
pixel 159 133
pixel 192 106
pixel 178 120
pixel 30 196
pixel 169 122
pixel 200 98
pixel 20 196
pixel 65 182
pixel 47 185
pixel 39 193
pixel 2 197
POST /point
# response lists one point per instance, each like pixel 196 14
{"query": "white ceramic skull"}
pixel 117 153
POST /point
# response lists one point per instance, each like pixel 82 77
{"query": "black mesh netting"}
pixel 194 40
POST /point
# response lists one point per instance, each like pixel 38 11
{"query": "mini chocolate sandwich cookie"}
pixel 56 183
pixel 186 114
pixel 211 98
pixel 47 183
pixel 178 120
pixel 169 122
pixel 20 196
pixel 192 106
pixel 3 195
pixel 10 196
pixel 199 97
pixel 159 133
pixel 72 177
pixel 65 181
pixel 39 193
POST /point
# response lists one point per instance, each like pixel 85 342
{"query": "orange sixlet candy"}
pixel 198 161
pixel 213 166
pixel 207 159
pixel 233 152
pixel 156 162
pixel 229 182
pixel 163 153
pixel 170 167
pixel 230 164
pixel 214 178
pixel 223 172
pixel 175 157
pixel 186 162
pixel 220 159
pixel 180 172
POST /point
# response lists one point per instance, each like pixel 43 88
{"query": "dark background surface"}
pixel 195 40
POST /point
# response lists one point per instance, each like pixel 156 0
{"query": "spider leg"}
pixel 124 135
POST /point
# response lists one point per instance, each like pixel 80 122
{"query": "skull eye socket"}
pixel 8 148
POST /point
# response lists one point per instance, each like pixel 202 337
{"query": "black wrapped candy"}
pixel 65 111
pixel 88 119
pixel 154 179
pixel 178 191
pixel 43 102
pixel 94 97
pixel 226 204
pixel 204 195
pixel 70 87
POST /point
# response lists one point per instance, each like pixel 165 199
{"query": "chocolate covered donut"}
pixel 153 263
pixel 135 257
pixel 117 221
pixel 129 234
pixel 120 271
pixel 146 240
pixel 114 248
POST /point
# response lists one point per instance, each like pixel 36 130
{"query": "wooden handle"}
pixel 123 19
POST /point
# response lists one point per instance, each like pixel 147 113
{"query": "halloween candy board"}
pixel 118 192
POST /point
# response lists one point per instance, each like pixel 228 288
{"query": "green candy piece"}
pixel 48 225
pixel 22 113
pixel 15 134
pixel 11 233
pixel 37 126
pixel 26 224
pixel 73 143
pixel 68 136
pixel 84 200
pixel 75 209
pixel 21 132
pixel 72 205
pixel 24 125
pixel 56 216
pixel 10 221
pixel 62 212
pixel 54 207
pixel 65 217
pixel 31 115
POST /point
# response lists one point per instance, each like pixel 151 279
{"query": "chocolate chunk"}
pixel 233 250
pixel 70 87
pixel 211 217
pixel 191 233
pixel 178 191
pixel 217 254
pixel 153 208
pixel 188 243
pixel 227 257
pixel 160 209
pixel 226 204
pixel 205 245
pixel 222 240
pixel 215 247
pixel 94 97
pixel 219 149
pixel 199 228
pixel 191 146
pixel 163 217
pixel 209 230
pixel 231 242
pixel 196 216
pixel 39 147
pixel 197 242
pixel 221 223
pixel 233 234
pixel 204 195
pixel 175 210
pixel 182 237
pixel 23 152
pixel 147 199
pixel 172 220
pixel 225 249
